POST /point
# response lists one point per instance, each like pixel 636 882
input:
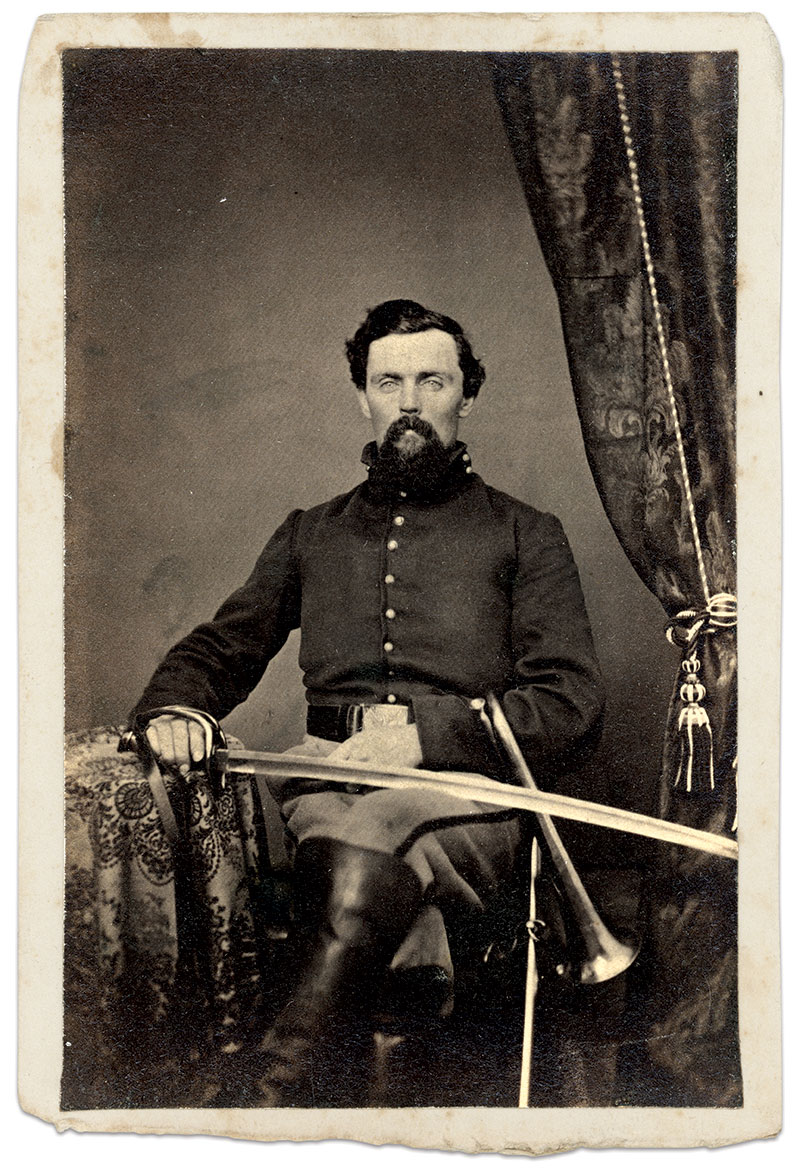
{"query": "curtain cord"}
pixel 662 343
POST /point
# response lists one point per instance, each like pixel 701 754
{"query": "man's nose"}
pixel 409 397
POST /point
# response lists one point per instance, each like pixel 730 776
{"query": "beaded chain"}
pixel 662 342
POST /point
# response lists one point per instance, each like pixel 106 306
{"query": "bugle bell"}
pixel 606 957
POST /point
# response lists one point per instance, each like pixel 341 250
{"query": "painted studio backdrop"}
pixel 230 216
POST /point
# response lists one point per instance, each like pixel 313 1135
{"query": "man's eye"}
pixel 388 384
pixel 433 384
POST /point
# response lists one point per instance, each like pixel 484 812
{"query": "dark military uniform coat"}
pixel 428 603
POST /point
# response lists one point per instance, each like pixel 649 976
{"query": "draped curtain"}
pixel 561 115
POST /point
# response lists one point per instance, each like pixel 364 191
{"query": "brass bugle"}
pixel 606 957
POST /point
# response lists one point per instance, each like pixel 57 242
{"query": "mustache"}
pixel 396 430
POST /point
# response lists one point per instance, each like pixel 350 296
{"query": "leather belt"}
pixel 338 722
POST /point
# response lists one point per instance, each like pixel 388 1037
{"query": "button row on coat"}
pixel 389 579
pixel 390 613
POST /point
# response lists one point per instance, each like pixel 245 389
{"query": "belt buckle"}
pixel 381 716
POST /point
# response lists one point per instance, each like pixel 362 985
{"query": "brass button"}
pixel 392 545
pixel 388 646
pixel 399 520
pixel 391 699
pixel 403 493
pixel 389 579
pixel 390 613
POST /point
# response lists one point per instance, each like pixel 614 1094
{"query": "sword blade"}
pixel 479 789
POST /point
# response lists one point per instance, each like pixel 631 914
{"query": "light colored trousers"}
pixel 462 851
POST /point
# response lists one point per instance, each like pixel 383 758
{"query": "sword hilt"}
pixel 215 746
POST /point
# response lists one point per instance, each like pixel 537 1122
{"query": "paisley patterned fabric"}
pixel 167 959
pixel 563 124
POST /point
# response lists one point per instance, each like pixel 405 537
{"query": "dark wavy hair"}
pixel 409 317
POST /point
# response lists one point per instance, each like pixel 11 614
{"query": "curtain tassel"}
pixel 696 759
pixel 695 771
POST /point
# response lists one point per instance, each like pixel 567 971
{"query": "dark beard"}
pixel 419 472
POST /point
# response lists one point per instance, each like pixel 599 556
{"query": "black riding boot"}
pixel 360 904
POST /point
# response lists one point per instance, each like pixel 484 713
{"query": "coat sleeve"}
pixel 556 699
pixel 217 665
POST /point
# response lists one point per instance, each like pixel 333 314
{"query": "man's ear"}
pixel 466 407
pixel 362 403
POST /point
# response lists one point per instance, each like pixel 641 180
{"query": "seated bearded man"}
pixel 416 593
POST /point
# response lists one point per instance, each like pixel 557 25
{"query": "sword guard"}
pixel 133 740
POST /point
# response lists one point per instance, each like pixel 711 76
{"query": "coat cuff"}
pixel 452 735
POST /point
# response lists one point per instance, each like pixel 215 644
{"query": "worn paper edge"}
pixel 41 543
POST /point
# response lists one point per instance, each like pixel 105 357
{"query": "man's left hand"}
pixel 390 745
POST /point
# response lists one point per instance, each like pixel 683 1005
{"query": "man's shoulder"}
pixel 327 510
pixel 528 514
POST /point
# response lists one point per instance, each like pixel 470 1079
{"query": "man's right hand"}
pixel 176 743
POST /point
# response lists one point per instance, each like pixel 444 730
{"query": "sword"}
pixel 475 787
pixel 221 759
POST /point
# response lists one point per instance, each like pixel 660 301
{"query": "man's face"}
pixel 414 377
